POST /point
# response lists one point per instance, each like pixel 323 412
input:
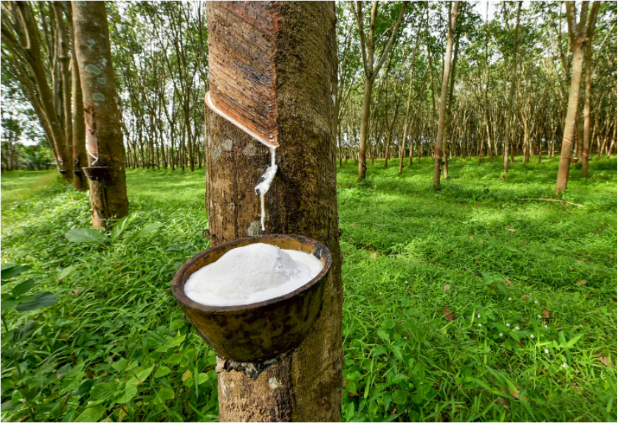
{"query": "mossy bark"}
pixel 306 384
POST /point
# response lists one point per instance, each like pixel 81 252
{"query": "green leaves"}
pixel 162 371
pixel 36 301
pixel 127 395
pixel 573 341
pixel 399 397
pixel 82 235
pixel 22 288
pixel 121 226
pixel 120 365
pixel 11 271
pixel 151 227
pixel 165 394
pixel 91 414
pixel 18 299
pixel 103 391
pixel 85 235
pixel 384 336
pixel 143 375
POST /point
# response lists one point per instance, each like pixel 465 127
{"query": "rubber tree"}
pixel 452 21
pixel 286 80
pixel 371 67
pixel 108 194
pixel 402 147
pixel 512 119
pixel 21 35
pixel 577 37
pixel 78 136
pixel 588 94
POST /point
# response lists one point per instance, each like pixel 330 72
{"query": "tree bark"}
pixel 510 135
pixel 577 39
pixel 364 132
pixel 588 64
pixel 371 68
pixel 299 39
pixel 108 195
pixel 445 79
pixel 449 129
pixel 406 122
pixel 80 182
pixel 392 126
pixel 64 59
pixel 24 41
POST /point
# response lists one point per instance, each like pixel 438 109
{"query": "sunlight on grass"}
pixel 19 184
pixel 461 304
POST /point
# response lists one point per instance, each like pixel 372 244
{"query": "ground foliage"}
pixel 465 304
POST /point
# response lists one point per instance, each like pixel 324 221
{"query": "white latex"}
pixel 264 184
pixel 251 274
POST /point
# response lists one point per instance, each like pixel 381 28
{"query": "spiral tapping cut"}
pixel 264 183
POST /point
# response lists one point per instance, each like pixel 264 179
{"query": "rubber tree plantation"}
pixel 308 211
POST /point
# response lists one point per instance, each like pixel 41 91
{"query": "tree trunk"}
pixel 406 122
pixel 510 135
pixel 450 104
pixel 588 61
pixel 445 79
pixel 306 384
pixel 80 182
pixel 576 35
pixel 28 46
pixel 65 73
pixel 364 135
pixel 108 195
pixel 390 131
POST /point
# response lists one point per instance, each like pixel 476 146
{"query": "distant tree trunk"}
pixel 431 79
pixel 390 131
pixel 577 31
pixel 448 124
pixel 306 384
pixel 510 135
pixel 540 134
pixel 588 62
pixel 402 148
pixel 108 196
pixel 445 79
pixel 611 146
pixel 21 35
pixel 364 132
pixel 371 69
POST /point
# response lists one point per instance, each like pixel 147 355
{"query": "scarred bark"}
pixel 64 59
pixel 80 159
pixel 108 196
pixel 306 384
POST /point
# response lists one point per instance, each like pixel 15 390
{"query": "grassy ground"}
pixel 19 184
pixel 466 304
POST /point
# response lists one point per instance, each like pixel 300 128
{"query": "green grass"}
pixel 19 184
pixel 115 345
